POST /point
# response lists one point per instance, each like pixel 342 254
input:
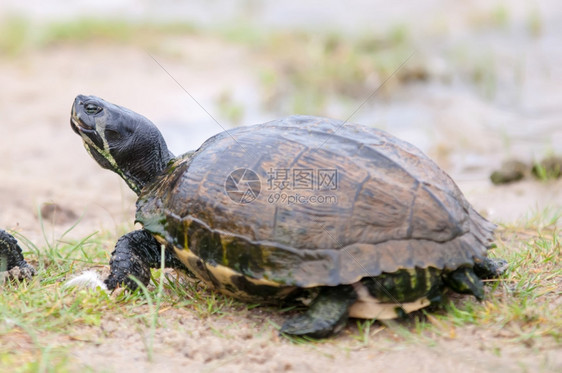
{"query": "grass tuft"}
pixel 520 304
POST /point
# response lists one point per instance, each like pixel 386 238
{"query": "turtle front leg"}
pixel 134 255
pixel 11 258
pixel 327 314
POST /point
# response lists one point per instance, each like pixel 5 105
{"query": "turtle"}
pixel 11 258
pixel 348 219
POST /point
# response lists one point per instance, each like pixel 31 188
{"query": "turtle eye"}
pixel 92 109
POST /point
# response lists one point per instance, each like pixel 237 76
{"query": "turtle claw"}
pixel 22 272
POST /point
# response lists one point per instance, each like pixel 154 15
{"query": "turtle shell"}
pixel 386 207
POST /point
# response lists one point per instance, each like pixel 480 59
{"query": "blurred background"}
pixel 471 84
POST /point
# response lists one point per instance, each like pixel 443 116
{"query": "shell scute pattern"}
pixel 395 208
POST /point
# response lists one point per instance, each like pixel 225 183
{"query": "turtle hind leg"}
pixel 134 255
pixel 490 268
pixel 465 281
pixel 327 314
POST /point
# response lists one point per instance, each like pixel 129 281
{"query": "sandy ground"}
pixel 44 167
pixel 186 344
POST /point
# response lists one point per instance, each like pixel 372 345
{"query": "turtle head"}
pixel 120 140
